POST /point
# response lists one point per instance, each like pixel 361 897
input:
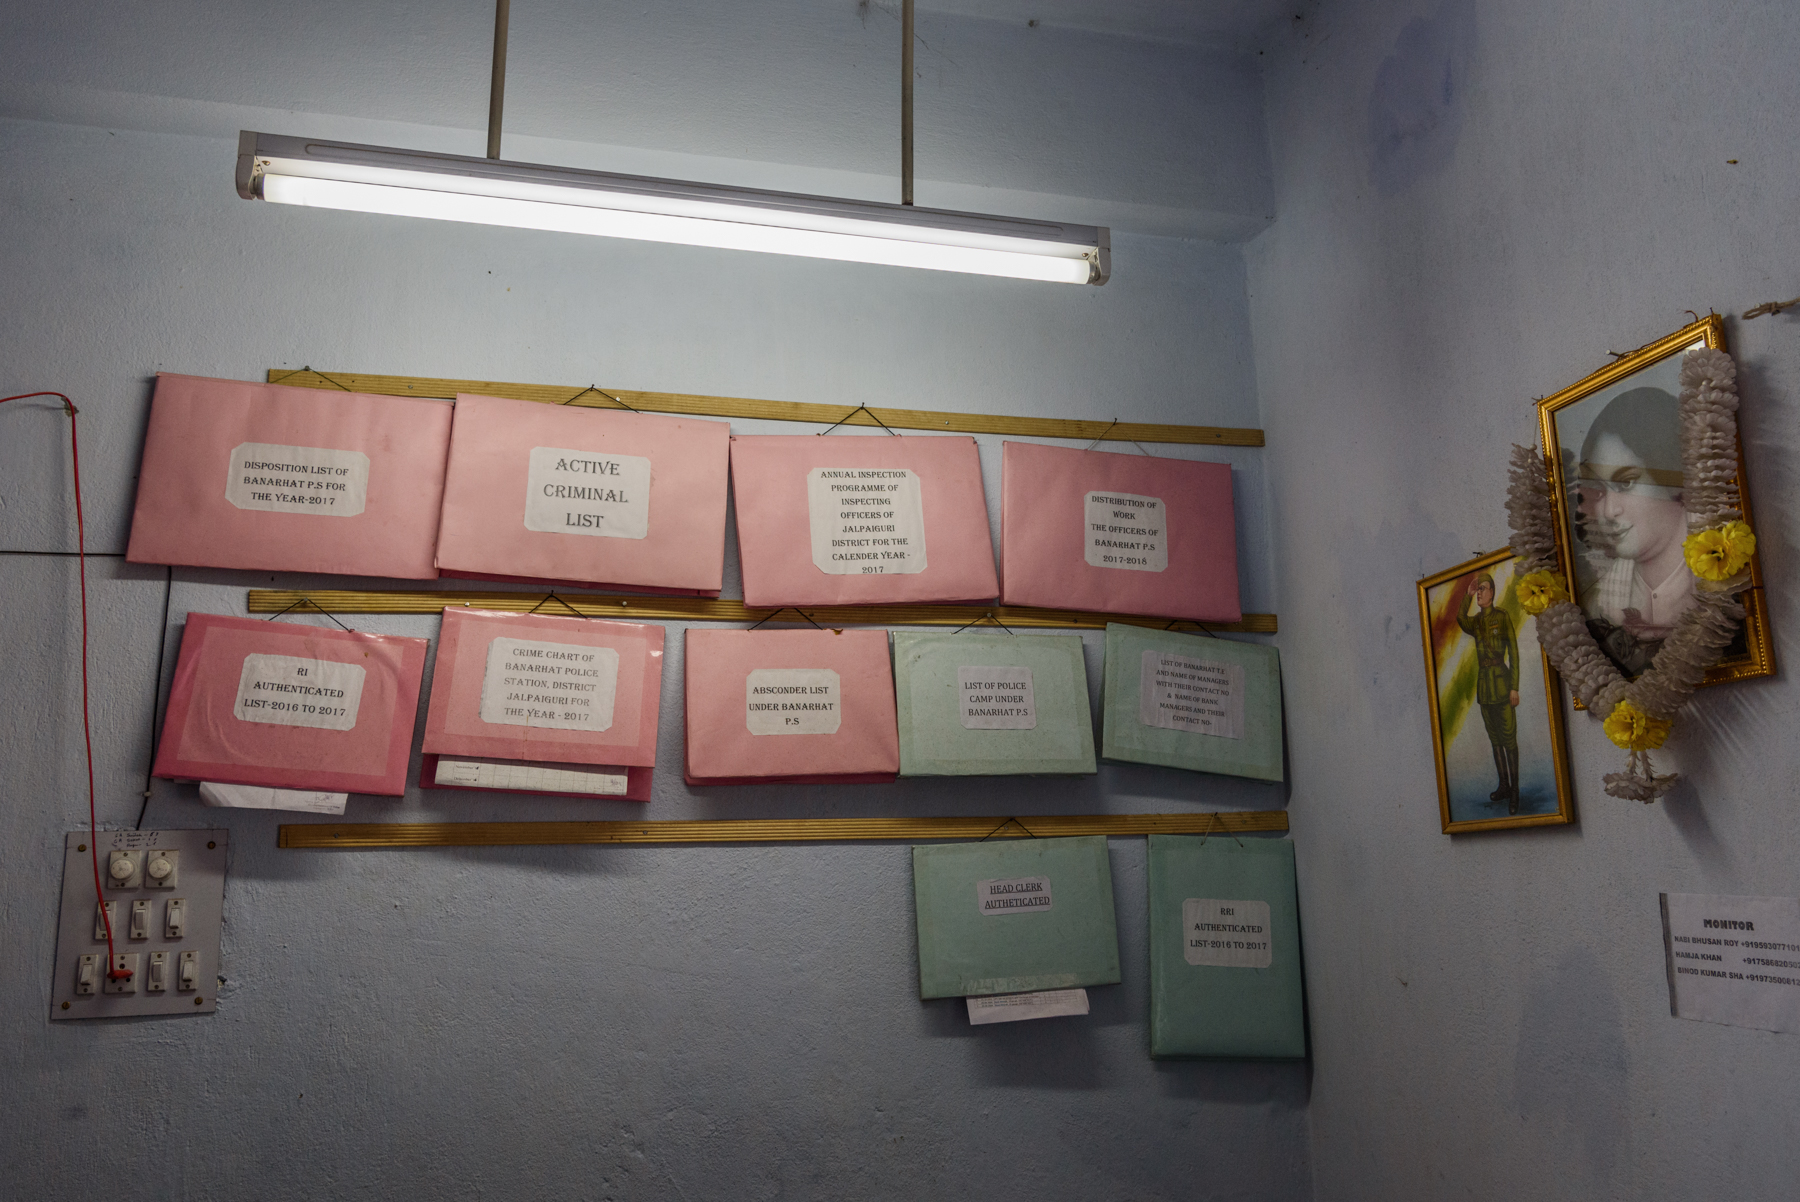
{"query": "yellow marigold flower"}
pixel 1720 553
pixel 1634 730
pixel 1538 591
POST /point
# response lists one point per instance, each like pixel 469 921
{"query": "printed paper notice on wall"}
pixel 1178 692
pixel 866 521
pixel 1125 530
pixel 285 690
pixel 1733 960
pixel 554 685
pixel 996 698
pixel 793 701
pixel 1020 895
pixel 1227 934
pixel 316 480
pixel 586 492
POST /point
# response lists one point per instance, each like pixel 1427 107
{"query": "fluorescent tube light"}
pixel 371 179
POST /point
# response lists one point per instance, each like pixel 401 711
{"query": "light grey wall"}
pixel 1476 202
pixel 725 1022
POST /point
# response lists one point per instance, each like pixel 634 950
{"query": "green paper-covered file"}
pixel 976 704
pixel 1013 917
pixel 1225 975
pixel 1190 701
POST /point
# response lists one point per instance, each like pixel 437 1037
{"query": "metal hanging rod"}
pixel 497 87
pixel 906 102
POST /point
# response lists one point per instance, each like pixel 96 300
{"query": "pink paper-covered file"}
pixel 1124 534
pixel 288 706
pixel 547 494
pixel 268 477
pixel 790 706
pixel 537 693
pixel 861 520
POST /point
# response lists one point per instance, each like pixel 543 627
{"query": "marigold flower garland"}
pixel 1638 714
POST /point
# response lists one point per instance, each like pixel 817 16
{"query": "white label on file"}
pixel 1177 692
pixel 558 686
pixel 793 701
pixel 866 521
pixel 272 478
pixel 1124 530
pixel 1020 895
pixel 285 690
pixel 996 698
pixel 1227 934
pixel 587 492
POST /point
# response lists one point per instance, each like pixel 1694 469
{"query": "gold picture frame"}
pixel 1473 714
pixel 1594 421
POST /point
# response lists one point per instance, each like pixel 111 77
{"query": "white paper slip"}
pixel 555 686
pixel 286 690
pixel 586 492
pixel 996 698
pixel 311 480
pixel 1178 692
pixel 793 701
pixel 1124 530
pixel 526 777
pixel 1012 1007
pixel 866 521
pixel 1226 934
pixel 255 797
pixel 1733 960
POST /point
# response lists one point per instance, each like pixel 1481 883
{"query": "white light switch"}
pixel 189 971
pixel 140 919
pixel 174 918
pixel 156 976
pixel 87 975
pixel 162 868
pixel 101 920
pixel 128 983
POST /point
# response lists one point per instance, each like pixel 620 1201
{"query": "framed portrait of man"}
pixel 1613 446
pixel 1496 707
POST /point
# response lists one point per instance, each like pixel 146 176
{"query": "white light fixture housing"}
pixel 374 179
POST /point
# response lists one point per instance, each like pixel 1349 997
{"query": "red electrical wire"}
pixel 87 734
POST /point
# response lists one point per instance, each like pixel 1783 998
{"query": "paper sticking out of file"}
pixel 1014 1007
pixel 255 797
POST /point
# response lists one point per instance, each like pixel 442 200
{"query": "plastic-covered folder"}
pixel 1190 701
pixel 992 704
pixel 1225 976
pixel 1012 917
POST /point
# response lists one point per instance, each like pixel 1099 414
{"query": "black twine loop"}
pixel 1217 822
pixel 309 601
pixel 986 617
pixel 1102 436
pixel 1197 626
pixel 770 616
pixel 319 374
pixel 595 388
pixel 859 409
pixel 551 596
pixel 1004 825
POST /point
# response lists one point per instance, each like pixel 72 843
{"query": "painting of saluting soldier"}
pixel 1495 708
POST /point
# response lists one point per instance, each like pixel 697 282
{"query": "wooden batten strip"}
pixel 699 609
pixel 352 836
pixel 787 411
